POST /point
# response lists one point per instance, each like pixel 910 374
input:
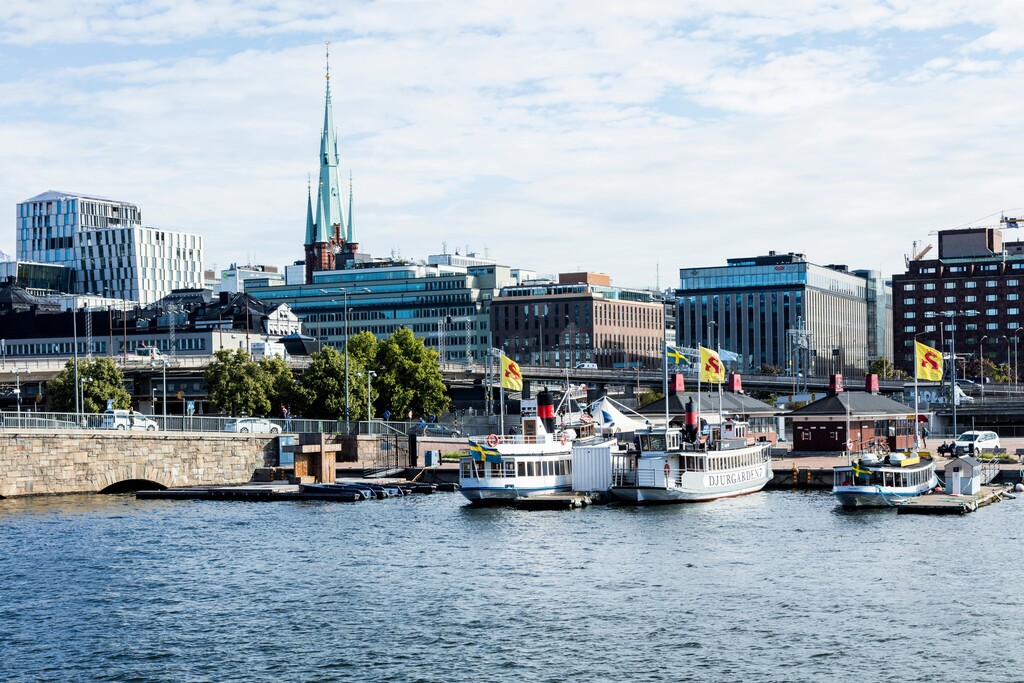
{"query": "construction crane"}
pixel 917 254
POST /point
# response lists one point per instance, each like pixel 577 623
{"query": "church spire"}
pixel 328 210
pixel 350 237
pixel 310 227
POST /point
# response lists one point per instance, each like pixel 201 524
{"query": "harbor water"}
pixel 775 586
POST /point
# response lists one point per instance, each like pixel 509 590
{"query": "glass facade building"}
pixel 780 310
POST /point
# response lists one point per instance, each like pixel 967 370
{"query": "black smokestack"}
pixel 546 410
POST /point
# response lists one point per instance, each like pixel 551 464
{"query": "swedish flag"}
pixel 858 471
pixel 483 453
pixel 675 354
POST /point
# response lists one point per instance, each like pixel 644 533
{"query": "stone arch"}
pixel 120 478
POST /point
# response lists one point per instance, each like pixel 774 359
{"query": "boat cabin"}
pixel 657 441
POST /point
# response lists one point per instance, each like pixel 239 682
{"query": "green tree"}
pixel 100 378
pixel 409 377
pixel 320 390
pixel 237 385
pixel 280 382
pixel 767 369
pixel 362 350
pixel 884 368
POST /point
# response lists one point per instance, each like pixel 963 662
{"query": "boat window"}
pixel 655 442
pixel 521 467
pixel 568 464
pixel 467 469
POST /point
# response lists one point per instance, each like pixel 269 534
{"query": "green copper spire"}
pixel 328 200
pixel 350 237
pixel 310 227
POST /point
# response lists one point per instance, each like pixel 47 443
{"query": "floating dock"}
pixel 553 501
pixel 342 492
pixel 946 504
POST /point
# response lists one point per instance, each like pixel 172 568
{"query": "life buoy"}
pixel 587 418
pixel 564 438
pixel 492 440
pixel 667 470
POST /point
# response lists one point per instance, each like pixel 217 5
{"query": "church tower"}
pixel 327 236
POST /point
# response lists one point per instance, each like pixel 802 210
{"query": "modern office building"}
pixel 105 246
pixel 780 310
pixel 579 319
pixel 969 295
pixel 447 306
pixel 232 279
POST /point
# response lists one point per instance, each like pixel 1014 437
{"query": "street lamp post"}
pixel 74 331
pixel 1015 333
pixel 981 366
pixel 17 391
pixel 951 316
pixel 163 362
pixel 82 382
pixel 370 374
pixel 344 293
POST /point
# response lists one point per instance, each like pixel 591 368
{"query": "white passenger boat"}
pixel 535 461
pixel 877 482
pixel 664 468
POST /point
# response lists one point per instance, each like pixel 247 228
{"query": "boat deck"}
pixel 553 501
pixel 946 504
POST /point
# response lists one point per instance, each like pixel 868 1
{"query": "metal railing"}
pixel 141 423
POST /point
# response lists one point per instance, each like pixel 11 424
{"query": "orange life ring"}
pixel 564 438
pixel 667 470
pixel 492 440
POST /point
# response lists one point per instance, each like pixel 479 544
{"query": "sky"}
pixel 632 139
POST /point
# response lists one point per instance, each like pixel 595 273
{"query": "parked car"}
pixel 434 430
pixel 256 425
pixel 980 440
pixel 127 419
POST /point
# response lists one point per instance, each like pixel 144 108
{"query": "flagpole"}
pixel 665 381
pixel 917 421
pixel 721 381
pixel 501 385
pixel 700 373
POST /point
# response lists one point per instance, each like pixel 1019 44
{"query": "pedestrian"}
pixel 924 436
pixel 287 415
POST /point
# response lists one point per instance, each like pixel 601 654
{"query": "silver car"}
pixel 255 425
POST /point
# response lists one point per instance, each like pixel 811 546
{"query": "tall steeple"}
pixel 310 226
pixel 330 223
pixel 350 236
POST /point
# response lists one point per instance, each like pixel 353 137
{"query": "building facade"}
pixel 969 296
pixel 580 319
pixel 103 243
pixel 446 306
pixel 780 310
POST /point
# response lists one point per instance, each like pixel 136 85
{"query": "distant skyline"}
pixel 631 139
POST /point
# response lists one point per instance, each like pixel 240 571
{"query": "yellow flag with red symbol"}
pixel 929 362
pixel 511 378
pixel 711 369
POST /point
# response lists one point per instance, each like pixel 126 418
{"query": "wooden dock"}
pixel 553 501
pixel 946 504
pixel 342 492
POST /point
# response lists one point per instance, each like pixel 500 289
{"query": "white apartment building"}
pixel 103 241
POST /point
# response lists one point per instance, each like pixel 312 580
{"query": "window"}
pixel 909 287
pixel 991 297
pixel 929 328
pixel 949 299
pixel 949 285
pixel 991 283
pixel 929 285
pixel 929 299
pixel 992 326
pixel 1012 297
pixel 1012 311
pixel 910 328
pixel 991 311
pixel 970 284
pixel 1012 283
pixel 910 301
pixel 909 315
pixel 970 298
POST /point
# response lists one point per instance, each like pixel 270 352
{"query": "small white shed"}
pixel 963 476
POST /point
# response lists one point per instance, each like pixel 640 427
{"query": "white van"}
pixel 586 366
pixel 127 419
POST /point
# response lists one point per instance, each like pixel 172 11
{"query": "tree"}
pixel 884 368
pixel 280 382
pixel 237 385
pixel 773 370
pixel 409 377
pixel 100 379
pixel 320 390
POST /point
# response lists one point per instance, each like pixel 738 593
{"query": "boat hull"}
pixel 655 495
pixel 853 497
pixel 497 495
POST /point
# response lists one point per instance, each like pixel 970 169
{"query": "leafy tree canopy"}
pixel 100 379
pixel 238 385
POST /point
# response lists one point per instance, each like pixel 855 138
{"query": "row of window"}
pixel 953 284
pixel 475 469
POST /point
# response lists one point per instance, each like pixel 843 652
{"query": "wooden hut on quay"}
pixel 820 427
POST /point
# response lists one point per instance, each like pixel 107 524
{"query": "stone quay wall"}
pixel 44 462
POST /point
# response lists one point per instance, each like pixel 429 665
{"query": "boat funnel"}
pixel 690 433
pixel 546 410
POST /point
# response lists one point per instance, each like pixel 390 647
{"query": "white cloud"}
pixel 602 136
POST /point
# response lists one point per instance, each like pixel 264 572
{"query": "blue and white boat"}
pixel 873 481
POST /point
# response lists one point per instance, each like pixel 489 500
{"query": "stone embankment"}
pixel 45 462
